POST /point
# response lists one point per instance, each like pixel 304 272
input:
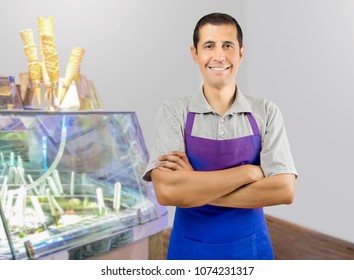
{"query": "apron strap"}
pixel 189 123
pixel 253 123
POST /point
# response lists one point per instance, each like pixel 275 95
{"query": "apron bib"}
pixel 212 232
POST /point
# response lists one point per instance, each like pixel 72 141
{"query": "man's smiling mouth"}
pixel 219 68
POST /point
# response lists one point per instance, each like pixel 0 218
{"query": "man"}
pixel 220 156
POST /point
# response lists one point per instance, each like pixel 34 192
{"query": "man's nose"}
pixel 219 55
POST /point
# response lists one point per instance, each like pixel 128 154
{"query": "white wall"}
pixel 298 54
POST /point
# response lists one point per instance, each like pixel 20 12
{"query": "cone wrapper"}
pixel 51 61
pixel 24 79
pixel 72 69
pixel 35 77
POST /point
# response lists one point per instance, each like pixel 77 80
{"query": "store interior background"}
pixel 299 54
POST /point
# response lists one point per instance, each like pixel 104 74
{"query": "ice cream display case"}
pixel 72 182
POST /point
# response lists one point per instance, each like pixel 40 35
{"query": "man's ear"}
pixel 242 51
pixel 194 54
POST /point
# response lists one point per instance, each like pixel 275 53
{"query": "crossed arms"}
pixel 178 184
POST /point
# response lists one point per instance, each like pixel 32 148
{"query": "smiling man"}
pixel 220 156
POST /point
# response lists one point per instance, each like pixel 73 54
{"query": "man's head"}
pixel 218 50
pixel 216 19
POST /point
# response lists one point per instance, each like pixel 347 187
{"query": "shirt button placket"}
pixel 221 128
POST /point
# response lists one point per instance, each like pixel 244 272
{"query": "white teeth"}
pixel 218 68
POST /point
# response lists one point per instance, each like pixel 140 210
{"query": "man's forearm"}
pixel 273 190
pixel 186 188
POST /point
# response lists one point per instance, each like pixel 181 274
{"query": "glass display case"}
pixel 73 182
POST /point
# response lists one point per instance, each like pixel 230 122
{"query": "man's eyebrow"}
pixel 224 42
pixel 208 42
pixel 229 42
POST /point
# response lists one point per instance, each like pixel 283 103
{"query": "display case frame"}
pixel 40 151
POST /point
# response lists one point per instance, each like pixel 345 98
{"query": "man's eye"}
pixel 228 46
pixel 208 46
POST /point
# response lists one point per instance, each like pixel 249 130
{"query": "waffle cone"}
pixel 34 70
pixel 29 46
pixel 51 60
pixel 27 37
pixel 46 26
pixel 31 52
pixel 73 66
pixel 72 69
pixel 45 76
pixel 35 77
pixel 46 80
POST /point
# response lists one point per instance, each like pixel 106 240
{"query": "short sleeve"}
pixel 276 156
pixel 168 136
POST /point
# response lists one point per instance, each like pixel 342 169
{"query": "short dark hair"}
pixel 216 19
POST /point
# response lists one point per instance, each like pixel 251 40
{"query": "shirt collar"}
pixel 199 104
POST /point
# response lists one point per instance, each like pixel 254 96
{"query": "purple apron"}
pixel 212 232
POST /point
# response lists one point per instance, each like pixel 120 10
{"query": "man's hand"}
pixel 174 161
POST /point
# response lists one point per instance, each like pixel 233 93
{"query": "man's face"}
pixel 218 54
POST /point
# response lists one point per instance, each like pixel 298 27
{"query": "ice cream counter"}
pixel 71 185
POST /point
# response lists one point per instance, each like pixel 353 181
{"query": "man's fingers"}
pixel 181 155
pixel 184 158
pixel 173 159
pixel 169 165
pixel 163 168
pixel 176 160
